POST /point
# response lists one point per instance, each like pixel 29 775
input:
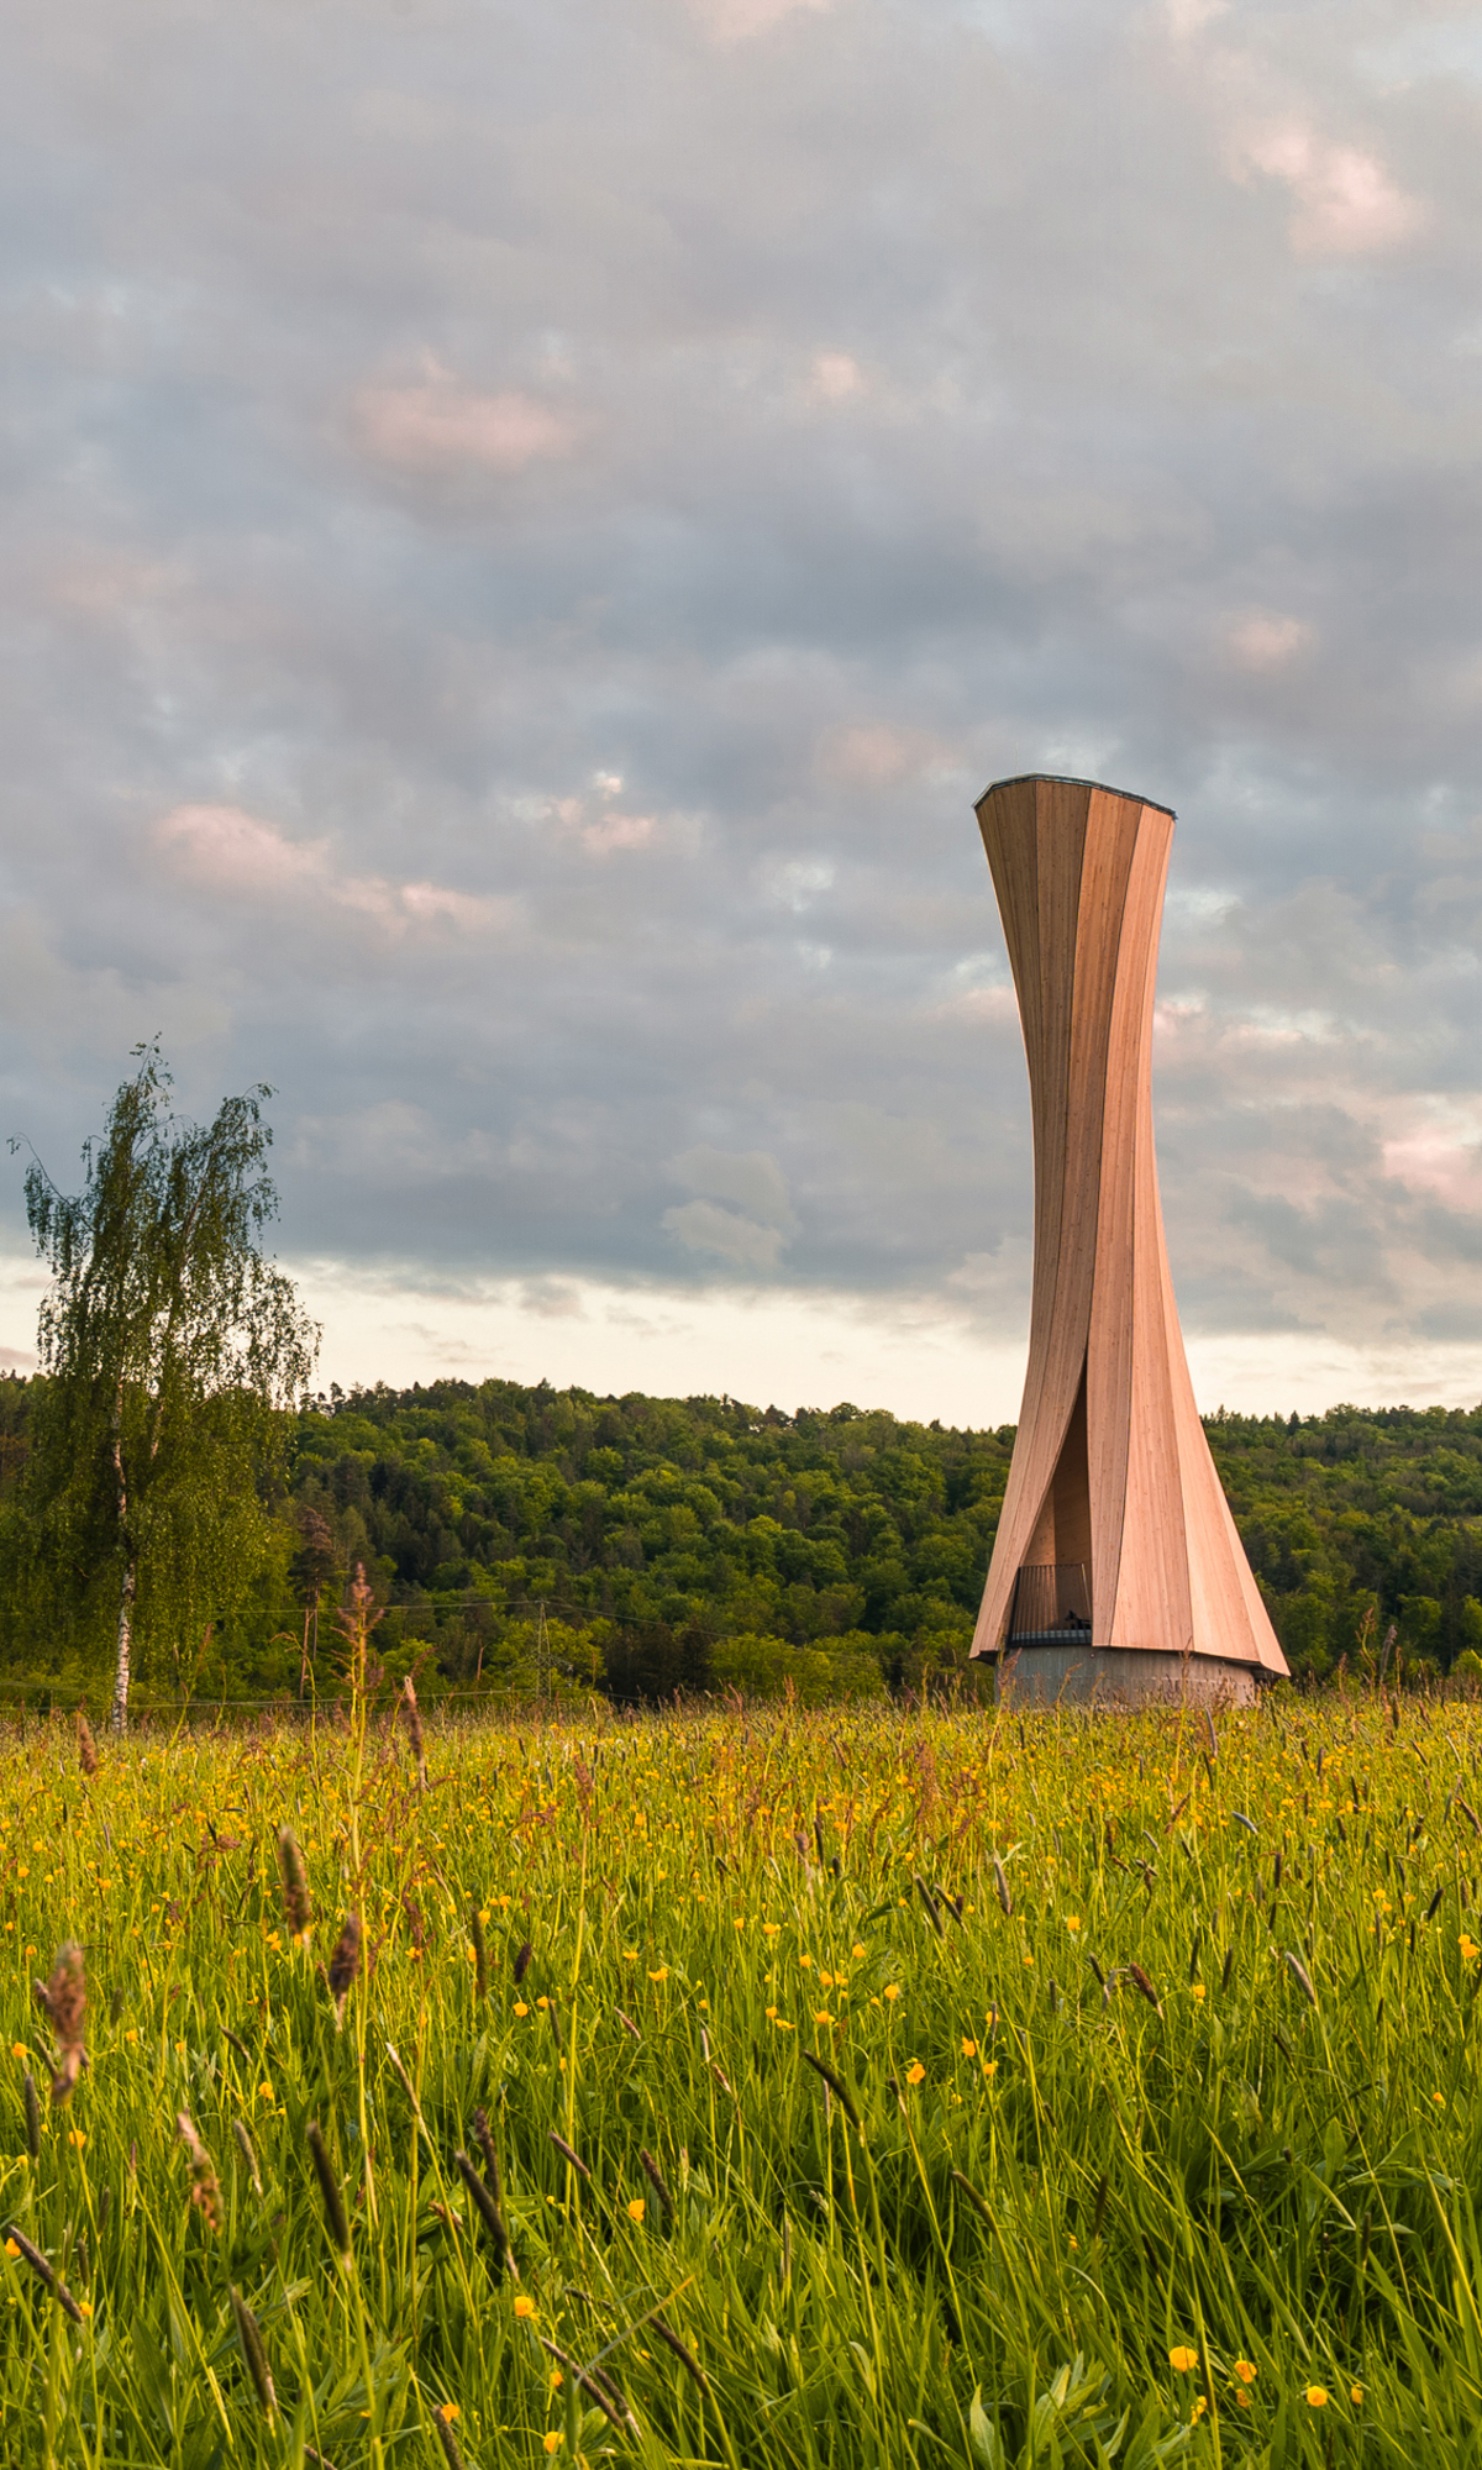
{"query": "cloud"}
pixel 1346 201
pixel 703 1226
pixel 835 377
pixel 750 1231
pixel 1264 641
pixel 741 21
pixel 223 851
pixel 441 426
pixel 752 1180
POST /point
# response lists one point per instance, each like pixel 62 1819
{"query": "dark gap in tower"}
pixel 1053 1595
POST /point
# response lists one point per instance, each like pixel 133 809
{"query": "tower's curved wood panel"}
pixel 1111 1473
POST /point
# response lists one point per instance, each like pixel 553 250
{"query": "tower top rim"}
pixel 1069 780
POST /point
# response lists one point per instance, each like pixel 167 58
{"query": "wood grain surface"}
pixel 1111 1468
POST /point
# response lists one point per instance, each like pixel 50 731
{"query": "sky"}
pixel 526 529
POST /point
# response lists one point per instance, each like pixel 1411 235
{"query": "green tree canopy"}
pixel 173 1351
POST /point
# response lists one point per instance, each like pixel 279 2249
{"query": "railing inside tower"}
pixel 1052 1605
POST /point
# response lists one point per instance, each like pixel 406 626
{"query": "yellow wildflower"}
pixel 1316 2397
pixel 915 2073
pixel 524 2308
pixel 636 2209
pixel 1183 2359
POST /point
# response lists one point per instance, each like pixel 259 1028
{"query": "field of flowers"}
pixel 849 2088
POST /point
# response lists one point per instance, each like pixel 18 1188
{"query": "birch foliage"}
pixel 172 1350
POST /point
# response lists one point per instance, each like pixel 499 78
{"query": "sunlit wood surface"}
pixel 1111 1470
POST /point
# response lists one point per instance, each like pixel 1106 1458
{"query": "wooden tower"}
pixel 1117 1574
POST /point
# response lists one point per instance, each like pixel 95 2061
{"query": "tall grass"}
pixel 840 2089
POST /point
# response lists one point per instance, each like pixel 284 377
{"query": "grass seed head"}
pixel 413 1717
pixel 297 1907
pixel 485 2143
pixel 87 1748
pixel 63 2001
pixel 205 2186
pixel 254 2354
pixel 44 2272
pixel 344 1964
pixel 486 2205
pixel 452 2450
pixel 331 2194
pixel 248 2151
pixel 657 2181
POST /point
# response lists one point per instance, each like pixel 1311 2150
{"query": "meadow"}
pixel 751 2088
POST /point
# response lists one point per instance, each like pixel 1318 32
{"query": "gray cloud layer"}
pixel 529 527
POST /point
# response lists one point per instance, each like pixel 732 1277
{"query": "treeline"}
pixel 532 1539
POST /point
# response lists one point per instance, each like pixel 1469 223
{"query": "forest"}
pixel 532 1540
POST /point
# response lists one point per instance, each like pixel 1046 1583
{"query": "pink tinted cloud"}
pixel 740 21
pixel 1442 1159
pixel 224 851
pixel 440 426
pixel 1263 640
pixel 875 755
pixel 601 827
pixel 1345 202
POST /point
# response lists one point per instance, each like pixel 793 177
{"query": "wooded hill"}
pixel 530 1538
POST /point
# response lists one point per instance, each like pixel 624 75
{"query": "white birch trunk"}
pixel 119 1717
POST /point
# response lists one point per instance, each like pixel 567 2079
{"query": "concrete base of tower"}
pixel 1119 1679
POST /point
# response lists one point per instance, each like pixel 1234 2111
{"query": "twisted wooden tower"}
pixel 1117 1574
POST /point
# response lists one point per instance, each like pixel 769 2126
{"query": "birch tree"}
pixel 172 1350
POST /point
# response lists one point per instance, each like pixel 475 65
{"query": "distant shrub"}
pixel 819 1675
